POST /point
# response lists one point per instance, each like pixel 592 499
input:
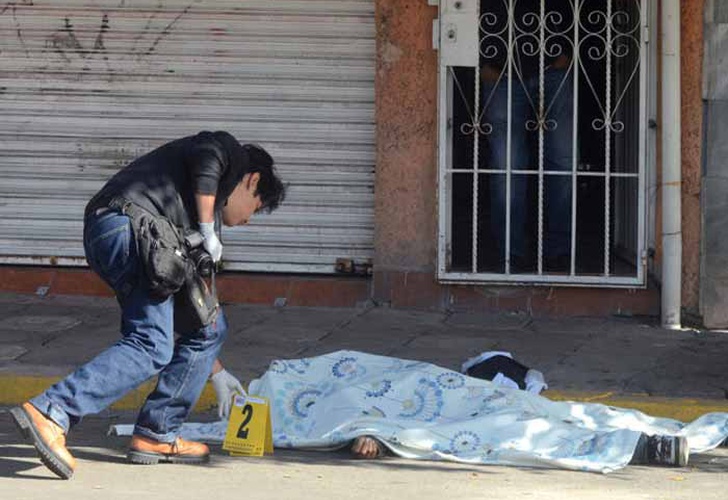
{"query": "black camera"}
pixel 201 259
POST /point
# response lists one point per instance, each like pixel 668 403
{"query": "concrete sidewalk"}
pixel 628 362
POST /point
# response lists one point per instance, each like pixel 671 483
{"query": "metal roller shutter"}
pixel 86 86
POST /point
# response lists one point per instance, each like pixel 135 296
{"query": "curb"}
pixel 16 389
pixel 684 409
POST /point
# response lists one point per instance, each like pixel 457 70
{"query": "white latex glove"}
pixel 225 385
pixel 212 242
pixel 535 382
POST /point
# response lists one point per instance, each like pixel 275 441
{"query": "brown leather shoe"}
pixel 47 437
pixel 143 450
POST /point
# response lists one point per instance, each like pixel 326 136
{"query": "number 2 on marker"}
pixel 248 414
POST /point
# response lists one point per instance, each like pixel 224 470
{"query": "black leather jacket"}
pixel 166 180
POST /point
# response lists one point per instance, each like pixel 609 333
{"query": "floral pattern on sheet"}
pixel 419 410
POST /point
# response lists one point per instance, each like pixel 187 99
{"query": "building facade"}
pixel 503 156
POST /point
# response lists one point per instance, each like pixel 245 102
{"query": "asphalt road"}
pixel 103 473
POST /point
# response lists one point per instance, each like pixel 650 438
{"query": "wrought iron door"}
pixel 542 141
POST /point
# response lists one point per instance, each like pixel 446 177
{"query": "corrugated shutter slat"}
pixel 86 86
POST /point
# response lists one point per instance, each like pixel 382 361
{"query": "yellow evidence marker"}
pixel 249 431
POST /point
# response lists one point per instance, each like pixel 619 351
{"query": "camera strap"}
pixel 213 286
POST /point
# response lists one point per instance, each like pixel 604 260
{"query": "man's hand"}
pixel 205 213
pixel 225 385
pixel 367 447
pixel 212 242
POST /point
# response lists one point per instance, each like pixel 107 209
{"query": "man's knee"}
pixel 162 355
pixel 159 351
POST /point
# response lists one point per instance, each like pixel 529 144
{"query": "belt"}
pixel 121 206
pixel 129 208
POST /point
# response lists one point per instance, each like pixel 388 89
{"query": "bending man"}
pixel 195 183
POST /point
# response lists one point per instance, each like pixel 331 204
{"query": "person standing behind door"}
pixel 526 96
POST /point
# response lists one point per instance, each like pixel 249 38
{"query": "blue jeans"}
pixel 147 347
pixel 557 156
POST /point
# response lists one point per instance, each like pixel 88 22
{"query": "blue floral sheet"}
pixel 422 411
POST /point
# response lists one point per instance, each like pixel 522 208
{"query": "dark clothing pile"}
pixel 509 367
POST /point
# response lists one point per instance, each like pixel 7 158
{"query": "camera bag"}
pixel 161 249
pixel 196 304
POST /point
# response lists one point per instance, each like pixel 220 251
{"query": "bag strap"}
pixel 137 213
pixel 213 286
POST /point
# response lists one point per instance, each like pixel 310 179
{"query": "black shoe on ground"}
pixel 672 451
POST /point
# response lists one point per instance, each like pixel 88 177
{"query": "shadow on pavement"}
pixel 343 458
pixel 89 442
pixel 16 461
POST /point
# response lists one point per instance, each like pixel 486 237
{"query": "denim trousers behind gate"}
pixel 558 94
pixel 147 346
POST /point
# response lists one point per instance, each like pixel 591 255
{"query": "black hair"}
pixel 271 189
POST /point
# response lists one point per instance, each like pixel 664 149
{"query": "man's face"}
pixel 243 202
